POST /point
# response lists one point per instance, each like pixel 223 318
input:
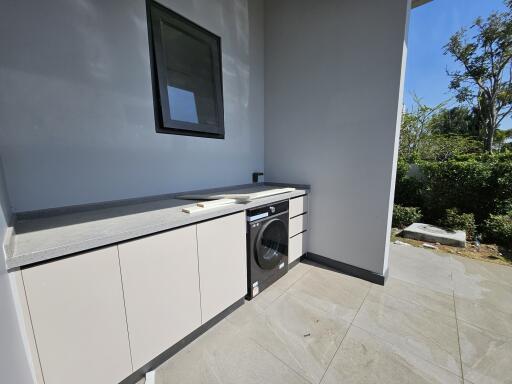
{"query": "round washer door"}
pixel 271 244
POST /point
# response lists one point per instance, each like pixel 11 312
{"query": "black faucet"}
pixel 256 176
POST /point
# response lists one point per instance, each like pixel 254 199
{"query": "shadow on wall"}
pixel 4 199
pixel 77 119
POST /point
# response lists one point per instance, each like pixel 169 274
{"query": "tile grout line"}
pixel 421 305
pixel 337 349
pixel 284 292
pixel 458 336
pixel 456 318
pixel 345 335
pixel 283 362
pixel 296 281
pixel 386 341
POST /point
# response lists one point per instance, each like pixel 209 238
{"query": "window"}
pixel 187 75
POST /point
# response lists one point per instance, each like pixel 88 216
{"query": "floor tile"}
pixel 486 357
pixel 333 292
pixel 483 315
pixel 482 270
pixel 433 300
pixel 484 291
pixel 255 307
pixel 426 333
pixel 292 276
pixel 299 334
pixel 365 359
pixel 421 267
pixel 223 355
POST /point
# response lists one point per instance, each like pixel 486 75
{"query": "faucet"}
pixel 256 176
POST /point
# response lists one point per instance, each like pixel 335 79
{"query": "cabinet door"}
pixel 297 247
pixel 78 317
pixel 222 263
pixel 161 287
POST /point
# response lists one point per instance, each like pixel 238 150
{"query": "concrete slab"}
pixel 433 234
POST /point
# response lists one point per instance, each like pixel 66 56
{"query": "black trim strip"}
pixel 297 234
pixel 347 269
pixel 295 262
pixel 163 357
pixel 300 214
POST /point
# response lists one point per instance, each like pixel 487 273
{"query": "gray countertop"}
pixel 37 239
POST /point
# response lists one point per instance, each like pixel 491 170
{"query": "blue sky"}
pixel 430 28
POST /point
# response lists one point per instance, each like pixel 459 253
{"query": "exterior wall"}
pixel 333 87
pixel 76 108
pixel 14 367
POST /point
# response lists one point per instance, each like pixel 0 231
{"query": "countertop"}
pixel 48 236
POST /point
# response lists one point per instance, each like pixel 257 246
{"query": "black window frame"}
pixel 156 15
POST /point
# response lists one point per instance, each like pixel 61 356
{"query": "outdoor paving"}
pixel 439 319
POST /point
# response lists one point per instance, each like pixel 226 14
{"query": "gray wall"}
pixel 14 367
pixel 76 113
pixel 333 80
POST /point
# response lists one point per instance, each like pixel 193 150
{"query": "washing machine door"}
pixel 271 244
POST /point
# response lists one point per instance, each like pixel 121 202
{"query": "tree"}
pixel 416 126
pixel 458 120
pixel 503 140
pixel 485 52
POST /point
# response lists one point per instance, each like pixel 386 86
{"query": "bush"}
pixel 480 184
pixel 455 220
pixel 407 188
pixel 498 229
pixel 405 216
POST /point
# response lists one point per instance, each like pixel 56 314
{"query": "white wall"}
pixel 76 113
pixel 14 367
pixel 333 80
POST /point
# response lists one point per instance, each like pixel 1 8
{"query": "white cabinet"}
pixel 298 228
pixel 78 319
pixel 297 247
pixel 99 316
pixel 298 224
pixel 161 286
pixel 298 205
pixel 222 263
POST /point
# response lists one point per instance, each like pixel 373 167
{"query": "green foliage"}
pixel 479 184
pixel 454 219
pixel 485 53
pixel 503 140
pixel 407 188
pixel 436 133
pixel 445 147
pixel 416 128
pixel 405 216
pixel 458 120
pixel 498 229
pixel 460 184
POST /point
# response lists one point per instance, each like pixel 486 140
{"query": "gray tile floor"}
pixel 439 319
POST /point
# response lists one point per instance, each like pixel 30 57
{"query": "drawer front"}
pixel 298 224
pixel 298 206
pixel 297 247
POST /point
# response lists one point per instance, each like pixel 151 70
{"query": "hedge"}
pixel 473 184
pixel 405 216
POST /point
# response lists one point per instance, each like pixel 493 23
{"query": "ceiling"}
pixel 417 3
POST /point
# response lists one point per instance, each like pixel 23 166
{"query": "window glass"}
pixel 187 74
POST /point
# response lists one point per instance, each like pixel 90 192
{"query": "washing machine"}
pixel 267 242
